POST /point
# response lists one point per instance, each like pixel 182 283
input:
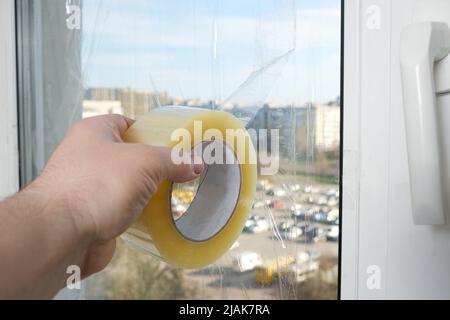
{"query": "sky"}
pixel 278 51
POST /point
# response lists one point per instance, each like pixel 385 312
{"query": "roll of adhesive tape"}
pixel 219 210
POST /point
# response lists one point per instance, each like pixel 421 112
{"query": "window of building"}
pixel 275 64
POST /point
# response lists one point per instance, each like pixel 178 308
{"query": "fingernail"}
pixel 198 169
pixel 198 164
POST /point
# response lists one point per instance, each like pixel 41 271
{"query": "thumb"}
pixel 179 173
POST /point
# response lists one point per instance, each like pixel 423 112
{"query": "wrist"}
pixel 41 238
pixel 65 210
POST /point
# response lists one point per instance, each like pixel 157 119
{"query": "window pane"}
pixel 274 64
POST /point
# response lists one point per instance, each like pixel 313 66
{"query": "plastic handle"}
pixel 422 45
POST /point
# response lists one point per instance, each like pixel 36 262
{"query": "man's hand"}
pixel 91 191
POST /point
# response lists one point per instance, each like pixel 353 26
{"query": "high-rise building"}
pixel 327 126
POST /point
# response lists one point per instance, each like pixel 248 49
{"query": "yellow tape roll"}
pixel 221 206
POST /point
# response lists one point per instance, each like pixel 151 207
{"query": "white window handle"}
pixel 422 45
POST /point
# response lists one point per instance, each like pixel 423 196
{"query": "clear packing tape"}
pixel 220 208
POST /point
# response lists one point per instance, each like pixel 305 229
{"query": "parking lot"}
pixel 226 279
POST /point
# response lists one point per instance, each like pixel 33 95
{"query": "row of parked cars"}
pixel 293 230
pixel 316 214
pixel 307 233
pixel 279 203
pixel 306 194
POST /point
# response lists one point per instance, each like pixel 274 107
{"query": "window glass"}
pixel 274 64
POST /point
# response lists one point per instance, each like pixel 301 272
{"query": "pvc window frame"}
pixel 9 143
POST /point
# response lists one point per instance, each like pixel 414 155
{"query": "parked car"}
pixel 257 225
pixel 322 201
pixel 302 257
pixel 332 202
pixel 312 234
pixel 296 206
pixel 248 261
pixel 285 225
pixel 333 216
pixel 280 192
pixel 277 192
pixel 292 233
pixel 308 255
pixel 261 226
pixel 277 205
pixel 259 204
pixel 302 272
pixel 333 234
pixel 332 193
pixel 250 223
pixel 299 215
pixel 321 217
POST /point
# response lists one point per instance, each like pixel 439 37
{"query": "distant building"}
pixel 92 108
pixel 134 102
pixel 327 126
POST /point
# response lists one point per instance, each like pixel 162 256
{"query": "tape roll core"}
pixel 216 198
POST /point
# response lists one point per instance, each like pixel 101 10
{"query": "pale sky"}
pixel 207 48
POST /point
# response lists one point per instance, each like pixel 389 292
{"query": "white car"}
pixel 279 192
pixel 302 257
pixel 259 204
pixel 332 193
pixel 248 261
pixel 292 233
pixel 332 202
pixel 285 225
pixel 261 225
pixel 296 207
pixel 333 215
pixel 307 256
pixel 304 271
pixel 322 201
pixel 333 234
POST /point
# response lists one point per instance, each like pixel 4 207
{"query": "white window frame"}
pixel 349 281
pixel 9 142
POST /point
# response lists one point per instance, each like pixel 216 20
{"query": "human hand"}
pixel 102 184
